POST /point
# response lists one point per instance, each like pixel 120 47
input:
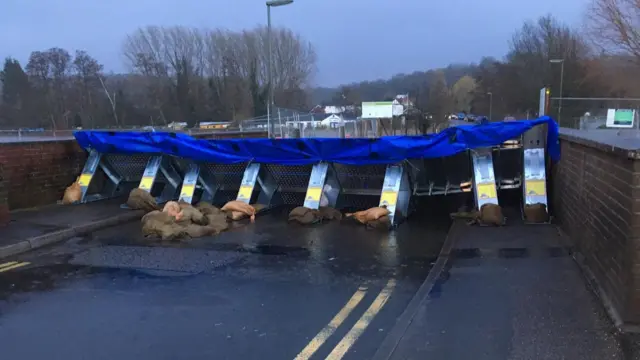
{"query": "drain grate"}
pixel 513 253
pixel 466 253
pixel 559 251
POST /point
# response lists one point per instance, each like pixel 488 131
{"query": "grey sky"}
pixel 355 39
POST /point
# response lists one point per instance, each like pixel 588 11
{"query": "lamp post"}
pixel 490 104
pixel 561 62
pixel 270 4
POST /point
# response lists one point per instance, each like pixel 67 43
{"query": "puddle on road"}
pixel 266 249
pixel 35 279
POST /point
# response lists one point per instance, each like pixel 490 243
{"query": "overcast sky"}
pixel 355 39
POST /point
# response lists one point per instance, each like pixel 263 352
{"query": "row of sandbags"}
pixel 181 220
pixel 491 215
pixel 376 217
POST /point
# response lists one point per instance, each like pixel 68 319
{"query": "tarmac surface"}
pixel 264 290
pixel 272 290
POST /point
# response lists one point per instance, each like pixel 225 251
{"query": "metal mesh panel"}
pixel 290 176
pixel 293 198
pixel 508 166
pixel 357 202
pixel 228 176
pixel 130 167
pixel 458 168
pixel 368 177
pixel 224 196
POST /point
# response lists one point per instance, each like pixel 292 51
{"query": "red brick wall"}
pixel 37 173
pixel 597 200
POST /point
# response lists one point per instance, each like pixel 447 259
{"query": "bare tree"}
pixel 614 26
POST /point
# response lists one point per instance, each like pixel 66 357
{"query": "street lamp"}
pixel 271 4
pixel 490 104
pixel 561 62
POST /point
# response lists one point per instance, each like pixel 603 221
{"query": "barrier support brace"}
pixel 198 177
pixel 534 189
pixel 484 180
pixel 396 193
pixel 254 175
pixel 111 187
pixel 321 174
pixel 162 164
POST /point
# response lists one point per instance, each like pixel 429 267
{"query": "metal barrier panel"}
pixel 396 192
pixel 256 174
pixel 484 180
pixel 322 174
pixel 99 180
pixel 161 165
pixel 534 189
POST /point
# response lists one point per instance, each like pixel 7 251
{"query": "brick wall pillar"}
pixel 4 199
pixel 596 197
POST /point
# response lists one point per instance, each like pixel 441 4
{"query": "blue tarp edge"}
pixel 359 151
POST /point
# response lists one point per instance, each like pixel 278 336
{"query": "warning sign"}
pixel 487 191
pixel 536 188
pixel 245 192
pixel 388 198
pixel 146 183
pixel 85 179
pixel 187 191
pixel 313 194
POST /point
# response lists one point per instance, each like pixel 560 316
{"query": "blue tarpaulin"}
pixel 384 150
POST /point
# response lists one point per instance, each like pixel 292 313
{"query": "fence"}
pixel 588 113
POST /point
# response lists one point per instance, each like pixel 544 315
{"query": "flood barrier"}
pixel 356 173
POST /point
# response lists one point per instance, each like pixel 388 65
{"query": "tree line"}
pixel 176 74
pixel 600 60
pixel 192 75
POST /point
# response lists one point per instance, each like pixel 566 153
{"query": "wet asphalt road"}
pixel 260 291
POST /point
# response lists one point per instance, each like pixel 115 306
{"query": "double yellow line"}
pixel 12 265
pixel 360 326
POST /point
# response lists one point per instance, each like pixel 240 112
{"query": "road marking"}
pixel 352 336
pixel 14 266
pixel 8 264
pixel 333 325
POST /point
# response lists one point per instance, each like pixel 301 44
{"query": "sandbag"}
pixel 207 209
pixel 238 210
pixel 163 225
pixel 73 193
pixel 491 214
pixel 173 209
pixel 304 215
pixel 329 213
pixel 192 215
pixel 371 214
pixel 536 213
pixel 216 223
pixel 382 223
pixel 142 200
pixel 236 215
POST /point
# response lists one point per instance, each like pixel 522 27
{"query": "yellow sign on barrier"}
pixel 245 192
pixel 146 183
pixel 85 179
pixel 187 190
pixel 536 187
pixel 388 198
pixel 487 191
pixel 314 194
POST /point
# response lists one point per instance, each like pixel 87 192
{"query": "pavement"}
pixel 33 228
pixel 510 293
